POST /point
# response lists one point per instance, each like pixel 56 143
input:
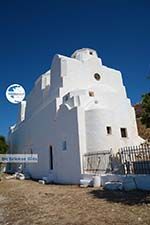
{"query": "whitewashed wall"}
pixel 59 109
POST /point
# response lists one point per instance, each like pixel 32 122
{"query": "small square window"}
pixel 64 145
pixel 109 130
pixel 123 132
pixel 91 93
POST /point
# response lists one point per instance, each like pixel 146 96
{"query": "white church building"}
pixel 79 106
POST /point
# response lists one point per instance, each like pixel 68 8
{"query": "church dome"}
pixel 84 54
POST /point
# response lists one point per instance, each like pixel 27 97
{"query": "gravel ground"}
pixel 28 203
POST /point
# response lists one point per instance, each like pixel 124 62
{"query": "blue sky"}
pixel 32 31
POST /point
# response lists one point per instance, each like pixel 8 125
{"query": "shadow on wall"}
pixel 127 198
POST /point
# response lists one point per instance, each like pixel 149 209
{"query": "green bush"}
pixel 3 145
pixel 146 110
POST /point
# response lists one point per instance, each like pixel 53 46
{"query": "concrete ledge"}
pixel 142 182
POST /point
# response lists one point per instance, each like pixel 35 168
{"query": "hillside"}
pixel 143 131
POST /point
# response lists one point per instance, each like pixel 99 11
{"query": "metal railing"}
pixel 135 159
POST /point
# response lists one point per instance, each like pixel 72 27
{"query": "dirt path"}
pixel 29 203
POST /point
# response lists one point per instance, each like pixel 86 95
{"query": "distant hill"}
pixel 143 131
pixel 138 110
